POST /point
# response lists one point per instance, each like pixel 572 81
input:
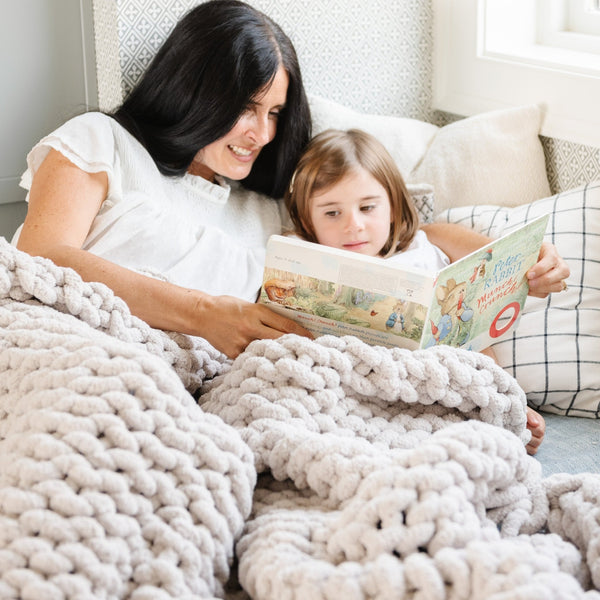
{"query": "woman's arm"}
pixel 63 203
pixel 456 241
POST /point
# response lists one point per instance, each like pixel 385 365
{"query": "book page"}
pixel 345 293
pixel 478 299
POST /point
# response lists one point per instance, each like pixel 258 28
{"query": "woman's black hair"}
pixel 219 56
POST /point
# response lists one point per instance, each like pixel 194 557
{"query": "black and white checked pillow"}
pixel 555 351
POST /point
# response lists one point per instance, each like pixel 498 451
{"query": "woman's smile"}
pixel 233 155
pixel 239 151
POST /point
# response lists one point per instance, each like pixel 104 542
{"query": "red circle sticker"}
pixel 494 331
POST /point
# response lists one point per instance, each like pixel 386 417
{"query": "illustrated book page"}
pixel 470 303
pixel 479 298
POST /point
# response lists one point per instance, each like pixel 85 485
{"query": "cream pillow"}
pixel 405 139
pixel 491 158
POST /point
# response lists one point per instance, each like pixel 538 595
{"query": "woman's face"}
pixel 233 155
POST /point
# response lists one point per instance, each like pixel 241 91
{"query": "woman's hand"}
pixel 230 324
pixel 549 273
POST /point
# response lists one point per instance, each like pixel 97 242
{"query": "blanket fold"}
pixel 393 474
pixel 331 469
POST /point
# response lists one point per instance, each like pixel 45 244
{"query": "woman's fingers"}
pixel 235 323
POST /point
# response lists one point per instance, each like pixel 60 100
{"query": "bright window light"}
pixel 490 54
pixel 543 33
pixel 569 24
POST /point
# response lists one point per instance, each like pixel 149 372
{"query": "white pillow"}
pixel 405 139
pixel 492 158
pixel 555 350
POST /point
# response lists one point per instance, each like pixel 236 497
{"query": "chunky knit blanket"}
pixel 303 469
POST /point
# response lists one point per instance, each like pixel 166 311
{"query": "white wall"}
pixel 47 73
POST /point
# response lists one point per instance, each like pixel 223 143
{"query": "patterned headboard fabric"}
pixel 368 55
pixel 371 56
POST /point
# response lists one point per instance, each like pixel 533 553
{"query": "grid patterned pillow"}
pixel 555 351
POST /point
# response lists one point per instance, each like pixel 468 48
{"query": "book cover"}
pixel 471 303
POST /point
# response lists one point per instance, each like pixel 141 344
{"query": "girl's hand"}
pixel 230 324
pixel 549 274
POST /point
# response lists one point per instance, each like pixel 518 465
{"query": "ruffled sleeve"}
pixel 87 141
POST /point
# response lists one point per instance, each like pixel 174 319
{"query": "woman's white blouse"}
pixel 194 232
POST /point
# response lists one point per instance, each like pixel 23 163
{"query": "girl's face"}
pixel 354 214
pixel 233 155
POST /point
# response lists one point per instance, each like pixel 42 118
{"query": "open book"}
pixel 471 303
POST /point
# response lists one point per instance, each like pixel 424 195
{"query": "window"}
pixel 497 53
pixel 559 34
pixel 574 18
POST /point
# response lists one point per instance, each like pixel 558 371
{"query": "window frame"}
pixel 475 71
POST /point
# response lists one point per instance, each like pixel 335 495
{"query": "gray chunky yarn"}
pixel 113 482
pixel 396 474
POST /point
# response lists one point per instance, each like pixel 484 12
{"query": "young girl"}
pixel 348 193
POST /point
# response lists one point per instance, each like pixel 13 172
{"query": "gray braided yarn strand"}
pixel 24 278
pixel 392 474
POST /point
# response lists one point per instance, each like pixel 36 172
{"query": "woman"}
pixel 146 189
pixel 143 189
